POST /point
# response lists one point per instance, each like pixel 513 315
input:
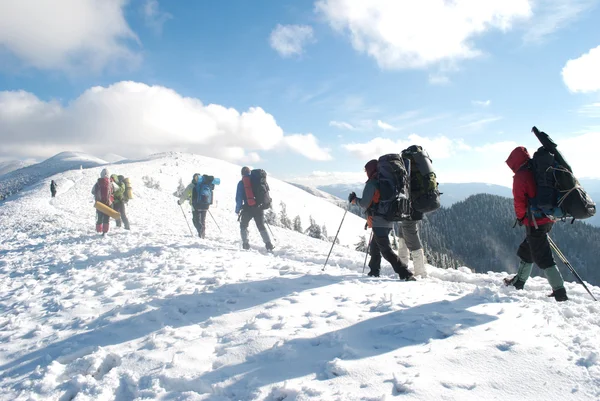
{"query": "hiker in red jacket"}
pixel 535 248
pixel 103 192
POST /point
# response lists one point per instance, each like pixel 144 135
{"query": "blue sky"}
pixel 309 90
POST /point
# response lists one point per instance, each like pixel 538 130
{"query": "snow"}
pixel 318 193
pixel 12 165
pixel 156 314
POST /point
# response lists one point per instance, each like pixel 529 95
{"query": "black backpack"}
pixel 260 188
pixel 203 196
pixel 394 203
pixel 424 193
pixel 559 193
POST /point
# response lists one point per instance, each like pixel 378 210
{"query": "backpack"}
pixel 104 193
pixel 424 193
pixel 257 189
pixel 558 192
pixel 204 192
pixel 394 202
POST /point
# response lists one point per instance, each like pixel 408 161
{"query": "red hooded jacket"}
pixel 524 186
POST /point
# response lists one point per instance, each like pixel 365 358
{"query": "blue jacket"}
pixel 240 197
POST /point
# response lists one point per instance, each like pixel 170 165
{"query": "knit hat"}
pixel 371 168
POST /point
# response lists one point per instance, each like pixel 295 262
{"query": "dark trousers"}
pixel 120 207
pixel 199 220
pixel 53 193
pixel 102 222
pixel 380 246
pixel 535 248
pixel 250 213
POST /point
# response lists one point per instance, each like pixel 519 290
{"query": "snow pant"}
pixel 120 207
pixel 535 248
pixel 249 213
pixel 53 193
pixel 199 220
pixel 409 231
pixel 102 222
pixel 380 246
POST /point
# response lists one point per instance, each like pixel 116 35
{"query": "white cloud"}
pixel 385 126
pixel 317 178
pixel 479 124
pixel 439 148
pixel 308 146
pixel 133 120
pixel 71 35
pixel 438 79
pixel 417 34
pixel 552 15
pixel 481 103
pixel 590 110
pixel 154 17
pixel 581 74
pixel 341 125
pixel 290 40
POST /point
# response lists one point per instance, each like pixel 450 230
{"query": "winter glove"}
pixel 351 197
pixel 179 202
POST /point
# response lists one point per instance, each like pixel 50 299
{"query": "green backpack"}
pixel 424 193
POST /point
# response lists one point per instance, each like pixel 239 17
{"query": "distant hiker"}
pixel 103 193
pixel 200 195
pixel 380 244
pixel 53 188
pixel 535 248
pixel 251 199
pixel 121 199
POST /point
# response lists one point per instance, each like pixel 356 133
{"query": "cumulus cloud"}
pixel 581 74
pixel 307 145
pixel 154 17
pixel 418 34
pixel 134 119
pixel 290 40
pixel 385 126
pixel 440 148
pixel 68 34
pixel 341 125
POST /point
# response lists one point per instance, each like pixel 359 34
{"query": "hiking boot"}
pixel 560 295
pixel 269 246
pixel 515 282
pixel 373 273
pixel 246 245
pixel 409 278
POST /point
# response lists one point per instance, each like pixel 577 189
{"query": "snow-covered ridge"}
pixel 157 314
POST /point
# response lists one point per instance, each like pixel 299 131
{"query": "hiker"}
pixel 535 248
pixel 380 244
pixel 53 188
pixel 247 207
pixel 200 195
pixel 120 199
pixel 409 243
pixel 103 193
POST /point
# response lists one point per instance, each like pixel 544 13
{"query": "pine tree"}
pixel 298 224
pixel 361 246
pixel 180 189
pixel 284 220
pixel 313 230
pixel 324 232
pixel 271 217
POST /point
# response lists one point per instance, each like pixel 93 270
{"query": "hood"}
pixel 517 158
pixel 195 178
pixel 114 177
pixel 371 168
pixel 104 173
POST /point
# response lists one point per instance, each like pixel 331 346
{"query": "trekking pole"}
pixel 335 239
pixel 214 220
pixel 186 222
pixel 269 227
pixel 367 251
pixel 562 257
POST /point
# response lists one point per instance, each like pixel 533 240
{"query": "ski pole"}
pixel 334 240
pixel 562 257
pixel 271 231
pixel 186 222
pixel 367 251
pixel 214 220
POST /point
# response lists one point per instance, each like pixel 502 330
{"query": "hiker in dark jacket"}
pixel 119 202
pixel 199 208
pixel 380 244
pixel 535 248
pixel 247 213
pixel 53 188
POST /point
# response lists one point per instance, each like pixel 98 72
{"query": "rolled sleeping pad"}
pixel 128 189
pixel 107 210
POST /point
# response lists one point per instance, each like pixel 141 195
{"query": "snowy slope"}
pixel 12 165
pixel 17 180
pixel 317 192
pixel 156 314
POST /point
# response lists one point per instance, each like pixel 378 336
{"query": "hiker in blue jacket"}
pixel 248 210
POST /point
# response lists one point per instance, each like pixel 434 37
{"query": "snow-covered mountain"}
pixel 156 314
pixel 12 165
pixel 317 192
pixel 17 180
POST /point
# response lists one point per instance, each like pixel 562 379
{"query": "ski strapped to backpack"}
pixel 204 191
pixel 559 193
pixel 394 187
pixel 424 193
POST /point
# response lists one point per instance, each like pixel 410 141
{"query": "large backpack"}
pixel 257 189
pixel 424 193
pixel 393 176
pixel 204 192
pixel 558 192
pixel 104 193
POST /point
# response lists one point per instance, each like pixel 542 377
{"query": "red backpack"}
pixel 104 192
